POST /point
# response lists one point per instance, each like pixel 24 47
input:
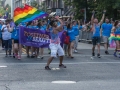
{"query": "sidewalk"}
pixel 89 46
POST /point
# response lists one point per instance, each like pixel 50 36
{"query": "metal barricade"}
pixel 86 36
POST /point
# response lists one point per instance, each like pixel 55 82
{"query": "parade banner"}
pixel 36 37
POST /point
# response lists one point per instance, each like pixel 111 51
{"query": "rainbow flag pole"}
pixel 27 14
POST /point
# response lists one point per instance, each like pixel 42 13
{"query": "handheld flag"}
pixel 26 14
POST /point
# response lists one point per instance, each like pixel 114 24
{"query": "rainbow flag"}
pixel 27 14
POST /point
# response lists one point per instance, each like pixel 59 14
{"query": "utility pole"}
pixel 85 14
pixel 12 10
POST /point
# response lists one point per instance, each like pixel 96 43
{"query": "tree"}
pixel 37 5
pixel 112 7
pixel 2 11
pixel 79 6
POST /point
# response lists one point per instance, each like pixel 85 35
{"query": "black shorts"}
pixel 16 41
pixel 96 40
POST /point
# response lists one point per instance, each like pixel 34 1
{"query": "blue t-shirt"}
pixel 45 27
pixel 65 28
pixel 81 27
pixel 76 30
pixel 0 31
pixel 16 33
pixel 29 26
pixel 71 34
pixel 106 29
pixel 48 22
pixel 0 26
pixel 50 29
pixel 117 30
pixel 96 32
pixel 42 28
pixel 35 27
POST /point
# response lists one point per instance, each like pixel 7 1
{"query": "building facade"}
pixel 2 3
pixel 54 5
pixel 50 5
pixel 19 3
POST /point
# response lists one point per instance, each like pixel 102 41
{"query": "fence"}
pixel 86 36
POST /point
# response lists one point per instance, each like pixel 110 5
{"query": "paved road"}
pixel 29 74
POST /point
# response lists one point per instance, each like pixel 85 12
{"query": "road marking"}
pixel 55 68
pixel 64 63
pixel 3 66
pixel 63 82
pixel 65 56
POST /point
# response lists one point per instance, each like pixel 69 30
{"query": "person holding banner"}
pixel 35 50
pixel 29 25
pixel 55 46
pixel 43 27
pixel 17 47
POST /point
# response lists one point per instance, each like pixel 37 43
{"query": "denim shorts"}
pixel 96 40
pixel 8 44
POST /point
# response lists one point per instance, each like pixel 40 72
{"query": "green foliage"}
pixel 2 11
pixel 5 9
pixel 38 6
pixel 112 7
pixel 35 4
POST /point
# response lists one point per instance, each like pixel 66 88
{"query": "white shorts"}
pixel 56 49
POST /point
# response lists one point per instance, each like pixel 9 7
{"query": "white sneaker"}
pixel 75 51
pixel 38 57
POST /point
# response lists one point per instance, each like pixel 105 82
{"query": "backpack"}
pixel 67 40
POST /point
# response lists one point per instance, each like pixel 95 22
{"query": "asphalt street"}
pixel 29 74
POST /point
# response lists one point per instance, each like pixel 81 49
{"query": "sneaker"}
pixel 71 57
pixel 47 68
pixel 115 55
pixel 32 56
pixel 42 57
pixel 13 55
pixel 75 51
pixel 93 54
pixel 16 56
pixel 98 55
pixel 10 55
pixel 28 56
pixel 106 52
pixel 62 66
pixel 19 58
pixel 38 57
